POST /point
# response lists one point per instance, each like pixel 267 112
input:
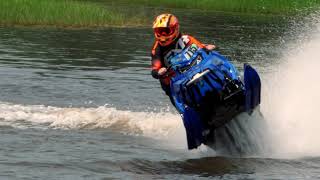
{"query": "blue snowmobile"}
pixel 208 92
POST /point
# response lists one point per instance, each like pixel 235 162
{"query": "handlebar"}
pixel 167 73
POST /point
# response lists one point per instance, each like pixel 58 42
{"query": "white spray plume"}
pixel 292 102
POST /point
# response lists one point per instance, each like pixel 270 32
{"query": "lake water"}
pixel 81 103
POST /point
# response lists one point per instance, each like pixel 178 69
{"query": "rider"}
pixel 169 41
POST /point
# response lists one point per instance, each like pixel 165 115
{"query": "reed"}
pixel 65 13
pixel 244 6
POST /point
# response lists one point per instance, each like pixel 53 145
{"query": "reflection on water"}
pixel 73 67
pixel 224 168
pixel 73 49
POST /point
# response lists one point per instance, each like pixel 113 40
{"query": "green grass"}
pixel 92 13
pixel 244 6
pixel 62 13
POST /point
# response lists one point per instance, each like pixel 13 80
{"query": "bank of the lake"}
pixel 102 13
pixel 243 6
pixel 63 13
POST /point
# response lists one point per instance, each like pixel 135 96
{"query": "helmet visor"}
pixel 164 31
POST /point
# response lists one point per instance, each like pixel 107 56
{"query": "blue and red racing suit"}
pixel 161 54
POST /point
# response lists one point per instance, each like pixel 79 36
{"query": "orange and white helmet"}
pixel 166 29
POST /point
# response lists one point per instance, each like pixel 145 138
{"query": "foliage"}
pixel 245 6
pixel 61 13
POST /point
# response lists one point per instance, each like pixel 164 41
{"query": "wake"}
pixel 162 124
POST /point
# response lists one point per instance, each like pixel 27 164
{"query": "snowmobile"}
pixel 208 92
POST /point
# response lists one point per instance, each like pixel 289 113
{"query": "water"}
pixel 81 104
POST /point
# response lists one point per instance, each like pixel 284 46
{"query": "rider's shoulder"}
pixel 186 35
pixel 186 38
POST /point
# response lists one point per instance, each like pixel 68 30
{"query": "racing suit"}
pixel 161 54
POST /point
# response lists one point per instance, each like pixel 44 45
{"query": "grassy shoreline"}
pixel 237 6
pixel 62 13
pixel 106 13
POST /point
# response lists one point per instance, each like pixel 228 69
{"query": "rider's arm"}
pixel 199 44
pixel 193 40
pixel 156 63
pixel 210 47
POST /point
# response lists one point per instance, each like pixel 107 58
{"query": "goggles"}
pixel 164 31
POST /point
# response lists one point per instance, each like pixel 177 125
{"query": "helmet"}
pixel 166 29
